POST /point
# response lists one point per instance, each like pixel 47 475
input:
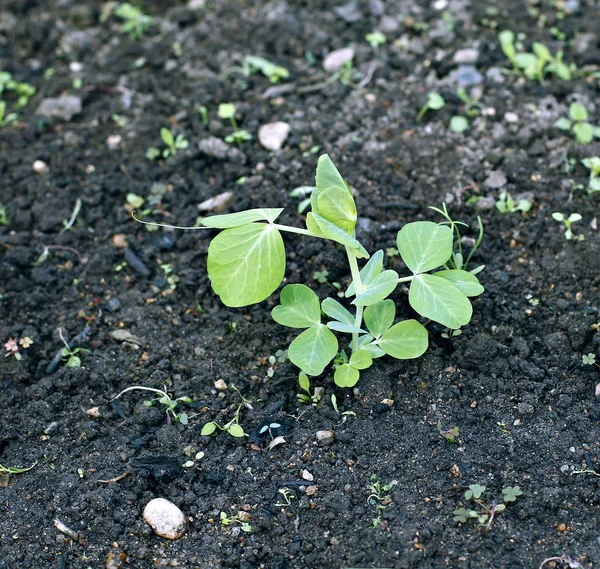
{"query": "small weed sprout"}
pixel 203 111
pixel 233 427
pixel 302 192
pixel 375 39
pixel 172 143
pixel 379 498
pixel 274 73
pixel 589 359
pixel 307 397
pixel 434 103
pixel 11 88
pixel 593 164
pixel 192 461
pixel 172 279
pixel 458 124
pixel 578 124
pixel 69 355
pixel 486 513
pixel 13 347
pixel 227 521
pixel 287 495
pixel 506 204
pixel 568 222
pixel 15 470
pixel 227 112
pixel 3 216
pixel 136 22
pixel 451 435
pixel 164 399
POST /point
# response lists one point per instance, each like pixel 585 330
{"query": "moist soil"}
pixel 514 382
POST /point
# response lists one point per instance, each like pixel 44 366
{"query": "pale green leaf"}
pixel 312 350
pixel 464 281
pixel 299 307
pixel 333 232
pixel 208 429
pixel 374 350
pixel 361 359
pixel 438 299
pixel 304 381
pixel 380 316
pixel 377 289
pixel 230 220
pixel 346 376
pixel 406 340
pixel 337 206
pixel 246 264
pixel 424 245
pixel 541 51
pixel 373 267
pixel 578 112
pixel 526 61
pixel 563 123
pixel 343 327
pixel 335 310
pixel 236 430
pixel 583 131
pixel 312 225
pixel 167 137
pixel 327 174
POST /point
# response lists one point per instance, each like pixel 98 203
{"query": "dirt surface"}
pixel 513 382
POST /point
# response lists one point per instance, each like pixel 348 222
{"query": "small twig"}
pixel 65 248
pixel 367 78
pixel 116 478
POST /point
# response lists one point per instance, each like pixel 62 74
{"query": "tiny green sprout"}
pixel 203 110
pixel 568 221
pixel 474 491
pixel 15 470
pixel 134 200
pixel 152 153
pixel 434 102
pixel 164 399
pixel 379 498
pixel 136 22
pixel 375 39
pixel 173 143
pixel 233 427
pixel 227 112
pixel 269 428
pixel 458 124
pixel 486 513
pixel 193 461
pixel 321 276
pixel 506 204
pixel 593 164
pixel 578 124
pixel 3 216
pixel 13 347
pixel 6 118
pixel 304 193
pixel 227 521
pixel 307 397
pixel 274 73
pixel 451 435
pixel 69 355
pixel 287 495
pixel 343 414
pixel 589 359
pixel 172 279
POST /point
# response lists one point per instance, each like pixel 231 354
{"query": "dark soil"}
pixel 513 382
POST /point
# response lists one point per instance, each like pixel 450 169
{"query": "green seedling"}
pixel 375 39
pixel 193 461
pixel 593 164
pixel 232 427
pixel 379 498
pixel 69 355
pixel 6 119
pixel 269 427
pixel 302 192
pixel 68 223
pixel 203 110
pixel 279 357
pixel 458 124
pixel 173 143
pixel 590 360
pixel 274 73
pixel 577 123
pixel 307 397
pixel 227 521
pixel 287 495
pixel 434 102
pixel 568 222
pixel 14 470
pixel 535 64
pixel 451 435
pixel 136 22
pixel 3 216
pixel 13 347
pixel 164 399
pixel 172 279
pixel 246 264
pixel 119 120
pixel 227 112
pixel 344 74
pixel 486 513
pixel 506 204
pixel 342 414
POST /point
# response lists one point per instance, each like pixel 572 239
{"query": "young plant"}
pixel 3 216
pixel 246 264
pixel 136 22
pixel 593 164
pixel 227 112
pixel 379 498
pixel 238 518
pixel 506 204
pixel 307 397
pixel 375 39
pixel 302 192
pixel 12 347
pixel 15 470
pixel 172 143
pixel 274 73
pixel 486 513
pixel 577 123
pixel 69 355
pixel 6 119
pixel 568 221
pixel 434 103
pixel 164 399
pixel 233 427
pixel 451 435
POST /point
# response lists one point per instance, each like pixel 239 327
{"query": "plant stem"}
pixel 298 230
pixel 357 289
pixel 406 279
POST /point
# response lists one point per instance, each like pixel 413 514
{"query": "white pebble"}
pixel 165 518
pixel 273 135
pixel 335 60
pixel 40 167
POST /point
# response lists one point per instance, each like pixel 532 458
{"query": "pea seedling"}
pixel 577 123
pixel 164 399
pixel 227 112
pixel 487 513
pixel 506 204
pixel 593 164
pixel 434 103
pixel 568 221
pixel 246 264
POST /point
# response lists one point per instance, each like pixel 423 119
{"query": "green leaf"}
pixel 435 101
pixel 563 123
pixel 406 340
pixel 458 124
pixel 424 245
pixel 333 232
pixel 541 51
pixel 578 112
pixel 167 137
pixel 437 298
pixel 511 493
pixel 346 376
pixel 373 267
pixel 526 61
pixel 374 350
pixel 304 381
pixel 343 327
pixel 474 491
pixel 208 429
pixel 379 317
pixel 361 359
pixel 328 175
pixel 337 205
pixel 377 289
pixel 584 132
pixel 312 350
pixel 335 310
pixel 230 220
pixel 236 430
pixel 299 307
pixel 464 281
pixel 226 111
pixel 507 41
pixel 246 264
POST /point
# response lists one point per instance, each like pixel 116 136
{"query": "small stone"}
pixel 93 412
pixel 561 527
pixel 525 408
pixel 40 167
pixel 75 67
pixel 165 518
pixel 467 75
pixel 113 141
pixel 486 203
pixel 119 240
pixel 306 475
pixel 335 60
pixel 243 516
pixel 217 203
pixel 467 55
pixel 516 422
pixel 65 107
pixel 325 437
pixel 349 12
pixel 311 490
pixel 495 180
pixel 121 335
pixel 214 147
pixel 273 135
pixel 220 385
pixel 511 117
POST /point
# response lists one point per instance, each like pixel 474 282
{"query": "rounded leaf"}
pixel 464 281
pixel 337 205
pixel 312 350
pixel 377 288
pixel 361 359
pixel 424 245
pixel 578 112
pixel 583 132
pixel 246 264
pixel 236 430
pixel 406 340
pixel 229 220
pixel 299 307
pixel 208 429
pixel 438 299
pixel 380 316
pixel 346 376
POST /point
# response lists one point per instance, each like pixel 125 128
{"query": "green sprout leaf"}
pixel 346 376
pixel 438 299
pixel 246 264
pixel 578 112
pixel 167 137
pixel 563 123
pixel 236 430
pixel 226 111
pixel 208 429
pixel 312 350
pixel 335 233
pixel 475 491
pixel 511 493
pixel 377 288
pixel 230 220
pixel 328 175
pixel 379 317
pixel 464 281
pixel 361 359
pixel 337 205
pixel 299 307
pixel 424 245
pixel 584 132
pixel 335 310
pixel 406 340
pixel 373 267
pixel 435 101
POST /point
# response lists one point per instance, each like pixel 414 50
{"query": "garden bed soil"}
pixel 513 382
